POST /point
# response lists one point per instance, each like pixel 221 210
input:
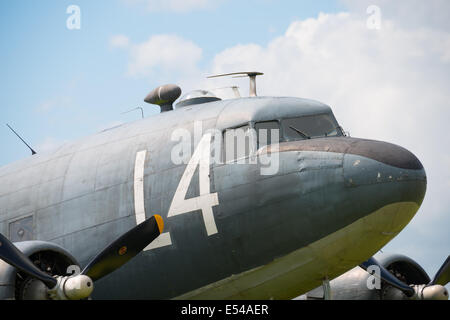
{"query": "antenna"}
pixel 138 108
pixel 251 75
pixel 32 151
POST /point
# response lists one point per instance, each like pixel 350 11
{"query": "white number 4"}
pixel 207 200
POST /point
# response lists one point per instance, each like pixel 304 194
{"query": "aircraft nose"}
pixel 391 173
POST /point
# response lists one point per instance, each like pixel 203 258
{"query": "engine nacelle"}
pixel 47 256
pixel 356 285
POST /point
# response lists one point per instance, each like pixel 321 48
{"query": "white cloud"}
pixel 174 5
pixel 119 41
pixel 388 84
pixel 164 54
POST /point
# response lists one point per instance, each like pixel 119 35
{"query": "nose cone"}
pixel 383 175
pixel 394 173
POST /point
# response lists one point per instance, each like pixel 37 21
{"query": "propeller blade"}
pixel 442 277
pixel 389 277
pixel 13 256
pixel 125 248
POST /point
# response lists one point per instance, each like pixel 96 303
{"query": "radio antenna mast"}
pixel 32 151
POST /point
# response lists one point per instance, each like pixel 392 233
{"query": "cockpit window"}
pixel 309 127
pixel 238 143
pixel 268 132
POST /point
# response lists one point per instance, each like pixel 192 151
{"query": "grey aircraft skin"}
pixel 334 202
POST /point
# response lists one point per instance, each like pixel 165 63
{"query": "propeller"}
pixel 109 259
pixel 435 290
pixel 442 277
pixel 124 249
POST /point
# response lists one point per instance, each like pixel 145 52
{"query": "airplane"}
pixel 165 208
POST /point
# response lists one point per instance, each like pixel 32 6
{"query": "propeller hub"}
pixel 434 292
pixel 72 288
pixel 78 287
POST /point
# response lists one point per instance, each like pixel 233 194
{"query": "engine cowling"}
pixel 47 256
pixel 358 284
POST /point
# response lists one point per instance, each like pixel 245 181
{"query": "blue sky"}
pixel 62 84
pixel 391 84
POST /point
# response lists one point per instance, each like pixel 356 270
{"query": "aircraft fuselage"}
pixel 230 231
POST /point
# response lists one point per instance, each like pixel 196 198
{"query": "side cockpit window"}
pixel 267 132
pixel 244 141
pixel 239 143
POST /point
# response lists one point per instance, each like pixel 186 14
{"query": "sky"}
pixel 383 66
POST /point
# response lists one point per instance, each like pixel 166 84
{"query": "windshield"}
pixel 309 127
